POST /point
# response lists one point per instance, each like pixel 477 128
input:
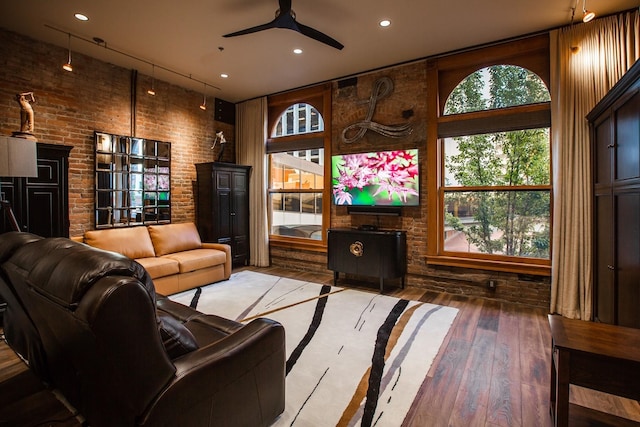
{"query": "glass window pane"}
pixel 297 215
pixel 504 158
pixel 299 119
pixel 291 202
pixel 498 86
pixel 515 223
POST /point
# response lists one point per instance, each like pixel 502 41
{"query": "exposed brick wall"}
pixel 407 103
pixel 98 96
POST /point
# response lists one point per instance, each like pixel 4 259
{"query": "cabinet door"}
pixel 240 216
pixel 604 261
pixel 628 259
pixel 343 249
pixel 42 213
pixel 627 134
pixel 45 204
pixel 603 146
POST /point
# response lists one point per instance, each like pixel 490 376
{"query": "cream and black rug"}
pixel 353 357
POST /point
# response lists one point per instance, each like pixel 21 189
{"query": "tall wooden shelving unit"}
pixel 615 136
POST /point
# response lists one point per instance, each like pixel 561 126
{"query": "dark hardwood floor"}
pixel 492 370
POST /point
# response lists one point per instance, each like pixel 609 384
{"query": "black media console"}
pixel 376 253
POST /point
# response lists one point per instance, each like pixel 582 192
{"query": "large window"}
pixel 494 182
pixel 296 155
pixel 296 183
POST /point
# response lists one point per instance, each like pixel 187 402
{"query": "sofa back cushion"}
pixel 132 242
pixel 62 270
pixel 171 238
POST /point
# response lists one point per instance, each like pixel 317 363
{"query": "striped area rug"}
pixel 353 358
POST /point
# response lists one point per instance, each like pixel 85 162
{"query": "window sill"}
pixel 297 243
pixel 538 269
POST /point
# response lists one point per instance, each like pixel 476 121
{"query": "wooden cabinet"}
pixel 41 204
pixel 381 254
pixel 223 206
pixel 615 135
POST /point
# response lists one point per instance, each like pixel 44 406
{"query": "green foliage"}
pixel 513 222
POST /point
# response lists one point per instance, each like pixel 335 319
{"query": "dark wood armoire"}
pixel 615 136
pixel 222 206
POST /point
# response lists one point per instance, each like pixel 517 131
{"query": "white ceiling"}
pixel 186 36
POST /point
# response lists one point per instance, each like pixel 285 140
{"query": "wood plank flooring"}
pixel 492 370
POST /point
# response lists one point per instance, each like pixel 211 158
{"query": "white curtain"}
pixel 586 61
pixel 251 131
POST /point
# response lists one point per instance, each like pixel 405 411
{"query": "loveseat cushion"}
pixel 177 339
pixel 160 266
pixel 197 259
pixel 132 242
pixel 171 238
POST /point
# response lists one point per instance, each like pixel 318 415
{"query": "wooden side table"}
pixel 593 355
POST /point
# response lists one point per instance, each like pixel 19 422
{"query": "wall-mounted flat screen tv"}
pixel 383 178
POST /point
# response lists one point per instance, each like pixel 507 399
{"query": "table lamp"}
pixel 18 158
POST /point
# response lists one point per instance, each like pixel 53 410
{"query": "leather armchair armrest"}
pixel 238 380
pixel 226 249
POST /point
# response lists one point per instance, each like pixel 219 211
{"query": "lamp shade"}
pixel 18 157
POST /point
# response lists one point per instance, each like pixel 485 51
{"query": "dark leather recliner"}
pixel 89 323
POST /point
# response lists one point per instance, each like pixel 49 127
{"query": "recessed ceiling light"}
pixel 81 17
pixel 297 51
pixel 224 75
pixel 385 23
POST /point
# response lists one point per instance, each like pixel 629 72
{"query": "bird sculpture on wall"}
pixel 286 18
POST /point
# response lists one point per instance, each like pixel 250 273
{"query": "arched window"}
pixel 296 173
pixel 498 86
pixel 299 119
pixel 494 181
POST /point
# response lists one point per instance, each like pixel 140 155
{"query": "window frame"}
pixel 445 73
pixel 320 98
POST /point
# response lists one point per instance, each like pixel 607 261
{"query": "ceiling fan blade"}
pixel 317 35
pixel 252 29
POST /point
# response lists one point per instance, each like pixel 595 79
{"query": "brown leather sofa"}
pixel 89 323
pixel 173 254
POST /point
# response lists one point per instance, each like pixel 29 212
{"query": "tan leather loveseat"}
pixel 173 254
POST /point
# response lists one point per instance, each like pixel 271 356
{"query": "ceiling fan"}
pixel 286 18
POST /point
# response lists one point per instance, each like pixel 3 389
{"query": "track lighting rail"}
pixel 103 44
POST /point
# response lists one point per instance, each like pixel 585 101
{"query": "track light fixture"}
pixel 100 42
pixel 588 15
pixel 152 91
pixel 203 106
pixel 68 66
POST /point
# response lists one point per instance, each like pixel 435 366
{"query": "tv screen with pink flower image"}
pixel 385 178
